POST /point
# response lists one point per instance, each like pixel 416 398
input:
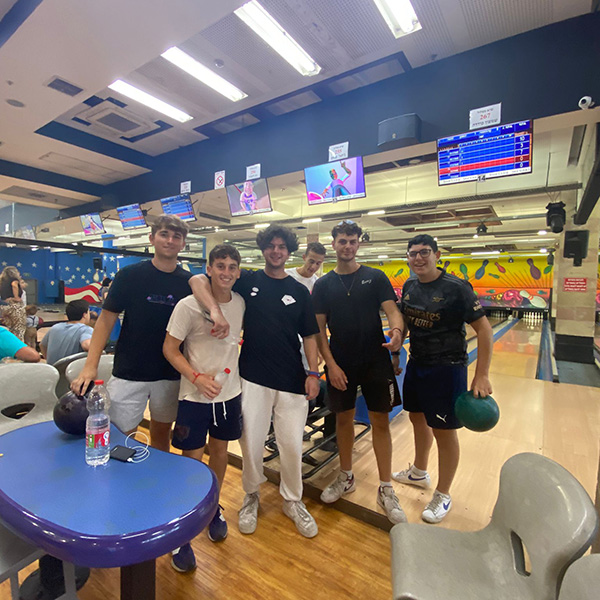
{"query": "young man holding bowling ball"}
pixel 435 306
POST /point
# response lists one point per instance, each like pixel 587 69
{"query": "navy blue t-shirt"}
pixel 277 311
pixel 436 313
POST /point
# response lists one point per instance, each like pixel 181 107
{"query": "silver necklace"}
pixel 348 290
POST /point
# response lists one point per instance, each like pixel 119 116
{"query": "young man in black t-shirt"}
pixel 274 383
pixel 436 306
pixel 147 292
pixel 348 300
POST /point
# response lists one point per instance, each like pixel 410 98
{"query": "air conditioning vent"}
pixel 115 121
pixel 118 122
pixel 64 87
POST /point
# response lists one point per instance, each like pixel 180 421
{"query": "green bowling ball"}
pixel 476 414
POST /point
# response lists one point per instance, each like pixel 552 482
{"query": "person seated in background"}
pixel 65 339
pixel 32 325
pixel 12 347
pixel 103 292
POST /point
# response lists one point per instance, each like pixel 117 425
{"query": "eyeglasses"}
pixel 423 253
pixel 348 221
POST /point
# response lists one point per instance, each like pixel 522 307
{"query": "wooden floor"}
pixel 347 559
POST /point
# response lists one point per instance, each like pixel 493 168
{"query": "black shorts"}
pixel 377 383
pixel 221 420
pixel 433 391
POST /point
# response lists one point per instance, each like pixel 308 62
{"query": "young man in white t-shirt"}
pixel 313 259
pixel 205 405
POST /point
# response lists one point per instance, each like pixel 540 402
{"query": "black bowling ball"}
pixel 71 413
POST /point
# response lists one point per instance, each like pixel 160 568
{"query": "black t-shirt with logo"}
pixel 277 311
pixel 148 296
pixel 436 313
pixel 351 304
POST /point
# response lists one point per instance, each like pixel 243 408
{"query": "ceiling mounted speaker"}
pixel 400 131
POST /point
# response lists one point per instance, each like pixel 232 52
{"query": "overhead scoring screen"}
pixel 180 206
pixel 131 216
pixel 495 152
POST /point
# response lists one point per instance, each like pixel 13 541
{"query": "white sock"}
pixel 418 472
pixel 444 495
pixel 383 484
pixel 348 474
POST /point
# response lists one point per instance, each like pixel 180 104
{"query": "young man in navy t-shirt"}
pixel 436 306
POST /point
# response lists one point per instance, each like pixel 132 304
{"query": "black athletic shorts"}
pixel 221 420
pixel 377 383
pixel 433 391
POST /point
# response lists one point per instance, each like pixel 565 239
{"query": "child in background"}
pixel 31 326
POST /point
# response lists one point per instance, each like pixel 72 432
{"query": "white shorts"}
pixel 128 400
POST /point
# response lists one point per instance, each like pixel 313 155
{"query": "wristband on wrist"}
pixel 196 375
pixel 396 353
pixel 312 374
pixel 396 329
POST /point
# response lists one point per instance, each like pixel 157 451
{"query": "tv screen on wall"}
pixel 249 197
pixel 92 224
pixel 131 216
pixel 335 181
pixel 179 206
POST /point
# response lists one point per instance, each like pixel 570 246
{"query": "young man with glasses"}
pixel 348 300
pixel 436 306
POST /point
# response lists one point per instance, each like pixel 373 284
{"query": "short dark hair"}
pixel 170 222
pixel 265 237
pixel 316 247
pixel 76 309
pixel 424 240
pixel 106 282
pixel 346 228
pixel 224 251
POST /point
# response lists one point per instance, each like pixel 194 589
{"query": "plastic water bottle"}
pixel 220 378
pixel 97 426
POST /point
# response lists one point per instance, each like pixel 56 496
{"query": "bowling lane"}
pixel 516 352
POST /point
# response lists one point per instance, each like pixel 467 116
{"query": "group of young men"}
pixel 213 389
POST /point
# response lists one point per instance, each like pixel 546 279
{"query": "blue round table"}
pixel 118 515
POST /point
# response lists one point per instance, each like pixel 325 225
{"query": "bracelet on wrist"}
pixel 396 329
pixel 313 374
pixel 196 375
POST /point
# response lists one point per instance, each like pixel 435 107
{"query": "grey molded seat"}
pixel 540 506
pixel 105 367
pixel 62 387
pixel 16 554
pixel 582 581
pixel 26 384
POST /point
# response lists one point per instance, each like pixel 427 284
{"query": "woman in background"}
pixel 13 312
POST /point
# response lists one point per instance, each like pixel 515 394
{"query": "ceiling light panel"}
pixel 196 69
pixel 399 15
pixel 264 25
pixel 150 101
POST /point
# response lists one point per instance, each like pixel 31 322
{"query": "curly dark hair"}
pixel 347 228
pixel 265 237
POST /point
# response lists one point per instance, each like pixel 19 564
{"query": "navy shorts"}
pixel 377 383
pixel 220 420
pixel 433 391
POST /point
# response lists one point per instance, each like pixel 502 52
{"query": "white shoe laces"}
pixel 250 505
pixel 436 503
pixel 302 512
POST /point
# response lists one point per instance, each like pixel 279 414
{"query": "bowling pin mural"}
pixel 547 269
pixel 464 271
pixel 500 268
pixel 535 272
pixel 481 271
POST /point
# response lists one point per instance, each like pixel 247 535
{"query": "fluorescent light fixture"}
pixel 383 256
pixel 399 15
pixel 264 25
pixel 543 250
pixel 261 225
pixel 542 232
pixel 373 213
pixel 191 66
pixel 312 220
pixel 150 101
pixel 484 253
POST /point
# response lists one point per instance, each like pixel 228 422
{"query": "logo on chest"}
pixel 166 300
pixel 287 300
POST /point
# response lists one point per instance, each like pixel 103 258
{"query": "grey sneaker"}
pixel 248 514
pixel 340 487
pixel 387 499
pixel 438 508
pixel 408 476
pixel 304 521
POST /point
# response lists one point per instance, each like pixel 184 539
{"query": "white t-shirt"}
pixel 307 282
pixel 205 353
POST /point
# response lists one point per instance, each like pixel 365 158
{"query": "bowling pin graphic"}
pixel 446 265
pixel 464 271
pixel 500 268
pixel 481 271
pixel 535 272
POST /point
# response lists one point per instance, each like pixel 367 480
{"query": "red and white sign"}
pixel 575 284
pixel 219 180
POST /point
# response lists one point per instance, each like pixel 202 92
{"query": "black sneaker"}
pixel 217 529
pixel 183 559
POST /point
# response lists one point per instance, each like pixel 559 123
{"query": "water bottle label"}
pixel 97 440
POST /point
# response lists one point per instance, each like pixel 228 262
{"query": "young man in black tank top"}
pixel 436 306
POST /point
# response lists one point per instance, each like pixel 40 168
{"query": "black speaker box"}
pixel 400 131
pixel 97 263
pixel 576 245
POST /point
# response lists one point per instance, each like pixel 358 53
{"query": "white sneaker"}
pixel 248 514
pixel 387 499
pixel 408 476
pixel 438 508
pixel 340 487
pixel 304 521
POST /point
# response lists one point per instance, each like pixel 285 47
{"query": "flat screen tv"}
pixel 179 206
pixel 249 197
pixel 335 181
pixel 92 224
pixel 25 232
pixel 486 153
pixel 131 216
